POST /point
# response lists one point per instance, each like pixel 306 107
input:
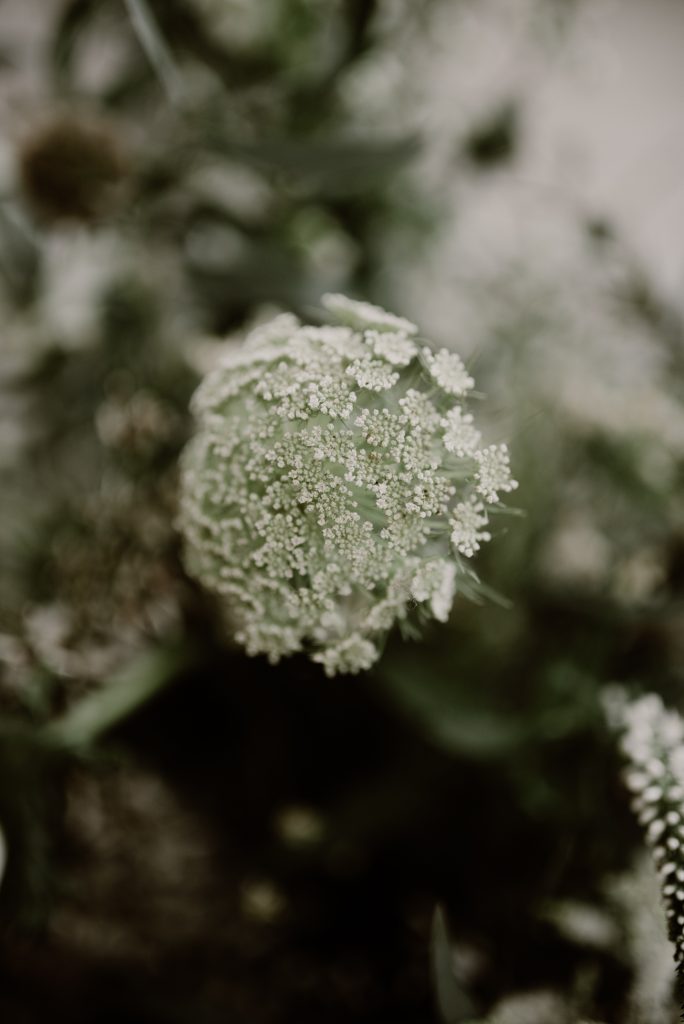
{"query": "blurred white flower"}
pixel 576 552
pixel 637 894
pixel 299 825
pixel 363 314
pixel 262 901
pixel 79 265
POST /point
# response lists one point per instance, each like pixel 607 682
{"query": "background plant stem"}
pixel 127 691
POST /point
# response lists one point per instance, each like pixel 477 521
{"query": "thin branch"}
pixel 156 49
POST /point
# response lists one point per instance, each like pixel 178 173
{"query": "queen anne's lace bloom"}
pixel 448 370
pixel 335 482
pixel 494 472
pixel 460 436
pixel 652 743
pixel 393 346
pixel 467 522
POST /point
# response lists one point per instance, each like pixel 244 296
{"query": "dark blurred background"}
pixel 445 838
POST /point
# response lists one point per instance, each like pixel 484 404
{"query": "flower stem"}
pixel 155 48
pixel 126 691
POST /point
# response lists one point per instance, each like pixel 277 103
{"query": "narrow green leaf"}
pixel 156 50
pixel 453 1004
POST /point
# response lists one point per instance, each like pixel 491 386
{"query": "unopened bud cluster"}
pixel 652 742
pixel 335 480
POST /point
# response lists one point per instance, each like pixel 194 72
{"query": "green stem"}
pixel 126 691
pixel 156 50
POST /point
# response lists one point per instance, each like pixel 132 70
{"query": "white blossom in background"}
pixel 652 743
pixel 637 896
pixel 334 482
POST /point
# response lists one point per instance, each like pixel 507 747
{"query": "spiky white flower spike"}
pixel 652 743
pixel 335 481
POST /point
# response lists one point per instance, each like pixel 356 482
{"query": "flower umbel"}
pixel 335 480
pixel 652 742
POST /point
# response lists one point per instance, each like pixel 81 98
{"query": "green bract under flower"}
pixel 335 481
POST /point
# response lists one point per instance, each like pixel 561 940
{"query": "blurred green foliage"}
pixel 171 188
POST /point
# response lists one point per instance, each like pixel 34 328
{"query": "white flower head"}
pixel 435 582
pixel 467 526
pixel 331 485
pixel 448 370
pixel 394 346
pixel 372 374
pixel 352 655
pixel 460 436
pixel 494 472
